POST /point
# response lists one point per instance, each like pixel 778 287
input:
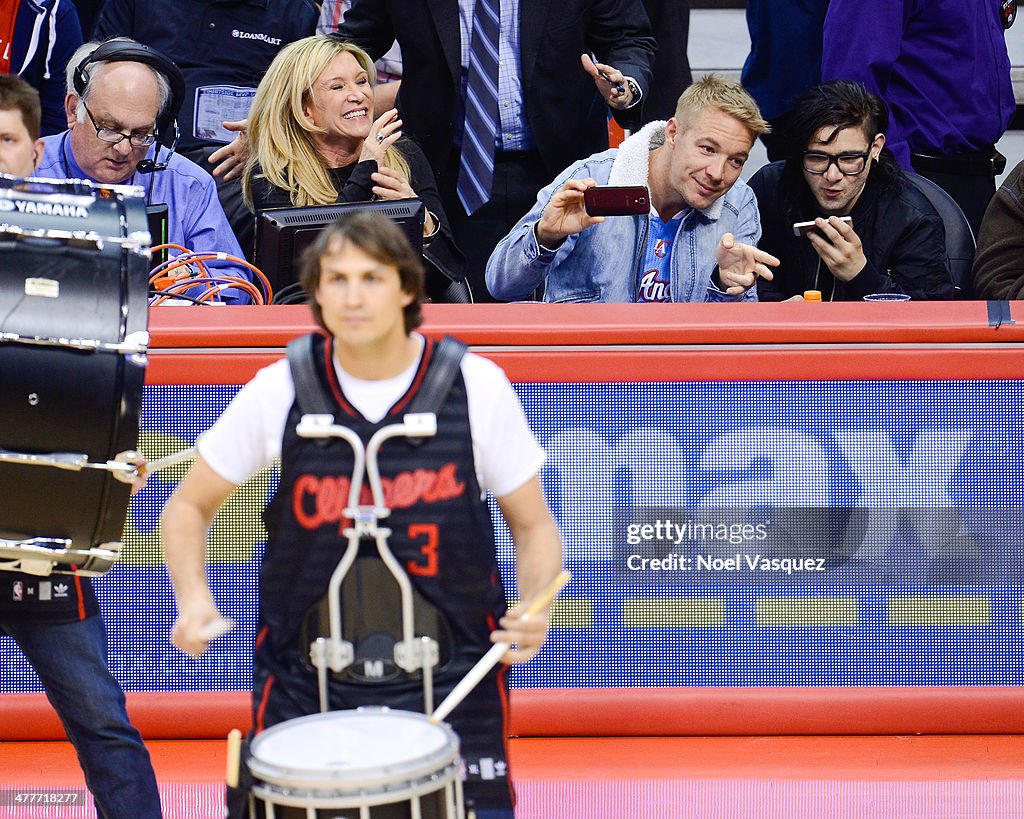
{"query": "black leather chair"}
pixel 960 242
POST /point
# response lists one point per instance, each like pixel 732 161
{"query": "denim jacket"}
pixel 600 263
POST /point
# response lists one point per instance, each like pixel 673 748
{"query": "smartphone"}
pixel 593 58
pixel 629 200
pixel 803 228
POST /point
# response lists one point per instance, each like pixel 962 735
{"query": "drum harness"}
pixel 334 653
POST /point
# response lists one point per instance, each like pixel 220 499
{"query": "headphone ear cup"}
pixel 81 77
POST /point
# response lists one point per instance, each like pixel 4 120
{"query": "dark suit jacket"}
pixel 567 116
pixel 670 20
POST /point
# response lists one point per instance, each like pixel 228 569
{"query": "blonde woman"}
pixel 314 141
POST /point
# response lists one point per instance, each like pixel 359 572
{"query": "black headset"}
pixel 122 50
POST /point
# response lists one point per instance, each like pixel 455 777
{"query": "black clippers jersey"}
pixel 441 534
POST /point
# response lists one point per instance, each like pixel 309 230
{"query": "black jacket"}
pixel 903 238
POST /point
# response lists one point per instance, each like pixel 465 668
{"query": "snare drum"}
pixel 371 763
pixel 73 342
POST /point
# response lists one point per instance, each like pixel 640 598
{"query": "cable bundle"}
pixel 188 271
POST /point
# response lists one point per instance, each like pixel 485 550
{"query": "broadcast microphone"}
pixel 150 165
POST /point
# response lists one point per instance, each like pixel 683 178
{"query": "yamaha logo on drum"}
pixel 45 208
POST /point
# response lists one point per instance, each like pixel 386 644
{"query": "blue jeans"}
pixel 71 661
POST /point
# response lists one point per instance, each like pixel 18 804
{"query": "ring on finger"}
pixel 380 137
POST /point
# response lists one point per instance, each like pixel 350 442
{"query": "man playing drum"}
pixel 365 287
pixel 55 620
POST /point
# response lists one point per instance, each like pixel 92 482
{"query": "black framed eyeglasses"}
pixel 848 164
pixel 114 137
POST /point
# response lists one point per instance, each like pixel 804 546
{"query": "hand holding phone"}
pixel 619 88
pixel 630 200
pixel 803 228
pixel 837 245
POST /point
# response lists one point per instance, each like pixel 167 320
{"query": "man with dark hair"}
pixel 20 148
pixel 366 285
pixel 892 241
pixel 62 634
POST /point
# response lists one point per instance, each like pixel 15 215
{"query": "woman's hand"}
pixel 390 184
pixel 384 132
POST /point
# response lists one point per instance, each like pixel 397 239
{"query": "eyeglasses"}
pixel 115 137
pixel 848 164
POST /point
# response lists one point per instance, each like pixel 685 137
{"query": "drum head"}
pixel 352 750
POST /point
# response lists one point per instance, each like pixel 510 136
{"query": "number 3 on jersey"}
pixel 429 538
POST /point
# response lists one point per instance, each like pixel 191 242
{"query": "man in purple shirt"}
pixel 942 68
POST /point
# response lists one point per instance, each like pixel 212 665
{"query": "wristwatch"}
pixel 634 90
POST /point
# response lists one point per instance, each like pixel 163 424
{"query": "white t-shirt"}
pixel 248 435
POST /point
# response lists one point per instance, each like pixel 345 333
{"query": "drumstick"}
pixel 170 460
pixel 234 756
pixel 218 628
pixel 487 662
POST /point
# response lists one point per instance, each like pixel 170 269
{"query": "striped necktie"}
pixel 476 169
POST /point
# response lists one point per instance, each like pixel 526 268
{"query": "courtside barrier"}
pixel 876 445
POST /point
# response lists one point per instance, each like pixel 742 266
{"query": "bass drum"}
pixel 74 263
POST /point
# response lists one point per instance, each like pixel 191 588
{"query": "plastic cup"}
pixel 887 297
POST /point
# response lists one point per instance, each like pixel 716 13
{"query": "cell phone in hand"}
pixel 803 228
pixel 608 200
pixel 621 89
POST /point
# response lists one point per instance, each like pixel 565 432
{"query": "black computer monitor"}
pixel 283 233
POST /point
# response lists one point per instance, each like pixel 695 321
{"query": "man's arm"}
pixel 918 265
pixel 205 227
pixel 619 32
pixel 999 262
pixel 184 525
pixel 368 25
pixel 915 264
pixel 538 561
pixel 739 262
pixel 521 261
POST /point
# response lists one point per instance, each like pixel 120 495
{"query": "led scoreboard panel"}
pixel 749 495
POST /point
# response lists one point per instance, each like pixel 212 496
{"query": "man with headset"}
pixel 62 635
pixel 121 104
